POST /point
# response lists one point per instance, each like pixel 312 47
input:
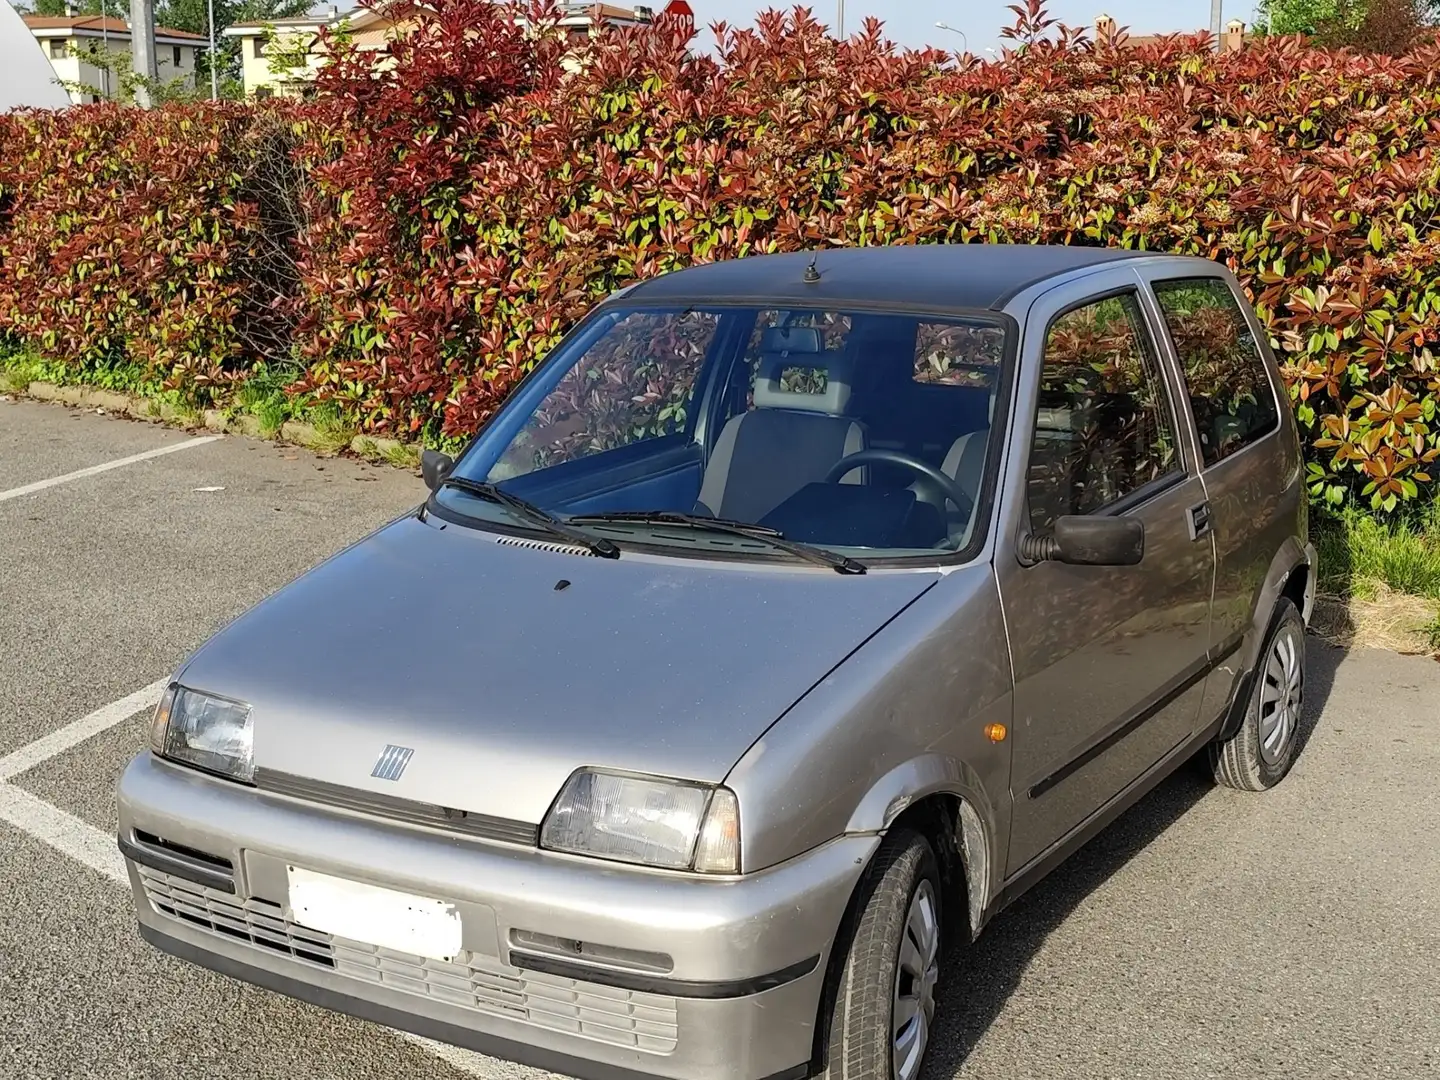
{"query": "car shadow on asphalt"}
pixel 984 975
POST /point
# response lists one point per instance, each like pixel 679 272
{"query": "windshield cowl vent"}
pixel 544 545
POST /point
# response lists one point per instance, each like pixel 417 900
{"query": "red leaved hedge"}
pixel 444 220
pixel 149 236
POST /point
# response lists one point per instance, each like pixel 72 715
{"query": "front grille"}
pixel 482 984
pixel 409 811
pixel 257 921
pixel 485 984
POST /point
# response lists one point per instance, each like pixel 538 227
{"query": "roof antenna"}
pixel 811 274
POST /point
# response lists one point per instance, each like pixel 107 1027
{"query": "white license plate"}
pixel 376 916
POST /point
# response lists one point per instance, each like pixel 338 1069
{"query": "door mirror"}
pixel 1099 541
pixel 434 467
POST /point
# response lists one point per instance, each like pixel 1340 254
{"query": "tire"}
pixel 1260 753
pixel 901 884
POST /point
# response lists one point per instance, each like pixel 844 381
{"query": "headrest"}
pixel 803 372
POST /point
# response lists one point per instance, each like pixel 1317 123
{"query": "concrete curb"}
pixel 370 447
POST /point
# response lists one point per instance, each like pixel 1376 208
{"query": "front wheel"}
pixel 884 1007
pixel 1260 753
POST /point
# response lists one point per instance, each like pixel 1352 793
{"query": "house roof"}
pixel 95 26
pixel 951 277
pixel 605 11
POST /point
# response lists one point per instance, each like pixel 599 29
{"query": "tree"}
pixel 1368 25
pixel 1378 26
pixel 1294 16
pixel 115 8
pixel 194 16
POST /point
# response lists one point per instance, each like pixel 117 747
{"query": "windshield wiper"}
pixel 842 564
pixel 528 511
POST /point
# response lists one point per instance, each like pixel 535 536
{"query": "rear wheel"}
pixel 884 1008
pixel 1261 752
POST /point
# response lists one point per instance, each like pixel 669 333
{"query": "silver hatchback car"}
pixel 791 619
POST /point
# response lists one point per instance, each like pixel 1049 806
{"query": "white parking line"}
pixel 97 849
pixel 78 474
pixel 73 734
pixel 64 832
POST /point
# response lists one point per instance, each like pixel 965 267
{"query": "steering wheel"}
pixel 948 487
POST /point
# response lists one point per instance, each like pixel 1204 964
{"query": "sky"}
pixel 912 22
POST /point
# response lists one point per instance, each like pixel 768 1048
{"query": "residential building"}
pixel 280 57
pixel 68 42
pixel 1231 40
pixel 266 46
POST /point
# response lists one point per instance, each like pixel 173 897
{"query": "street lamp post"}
pixel 105 47
pixel 840 19
pixel 214 79
pixel 1216 26
pixel 954 30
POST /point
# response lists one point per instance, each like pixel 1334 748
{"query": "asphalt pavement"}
pixel 1206 934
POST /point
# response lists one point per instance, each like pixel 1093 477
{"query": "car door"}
pixel 1109 662
pixel 1251 469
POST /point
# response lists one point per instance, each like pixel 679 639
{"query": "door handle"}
pixel 1198 519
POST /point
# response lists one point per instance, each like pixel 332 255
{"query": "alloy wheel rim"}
pixel 916 973
pixel 1282 692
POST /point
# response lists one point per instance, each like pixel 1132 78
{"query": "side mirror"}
pixel 434 467
pixel 1089 541
pixel 1099 541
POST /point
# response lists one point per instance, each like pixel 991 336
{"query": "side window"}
pixel 1104 426
pixel 1230 393
pixel 635 383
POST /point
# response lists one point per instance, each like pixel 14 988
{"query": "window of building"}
pixel 1230 392
pixel 175 57
pixel 1104 428
pixel 59 48
pixel 258 45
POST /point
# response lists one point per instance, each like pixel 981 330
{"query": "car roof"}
pixel 955 277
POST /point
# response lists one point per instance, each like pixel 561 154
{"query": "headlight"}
pixel 634 819
pixel 209 732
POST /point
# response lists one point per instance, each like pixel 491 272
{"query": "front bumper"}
pixel 731 989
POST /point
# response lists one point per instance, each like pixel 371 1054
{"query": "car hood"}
pixel 505 668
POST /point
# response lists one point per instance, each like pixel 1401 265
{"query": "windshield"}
pixel 861 433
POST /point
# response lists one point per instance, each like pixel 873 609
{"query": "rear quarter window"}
pixel 1231 396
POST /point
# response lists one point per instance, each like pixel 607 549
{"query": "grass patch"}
pixel 1358 554
pixel 263 396
pixel 402 455
pixel 23 366
pixel 1380 581
pixel 332 430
